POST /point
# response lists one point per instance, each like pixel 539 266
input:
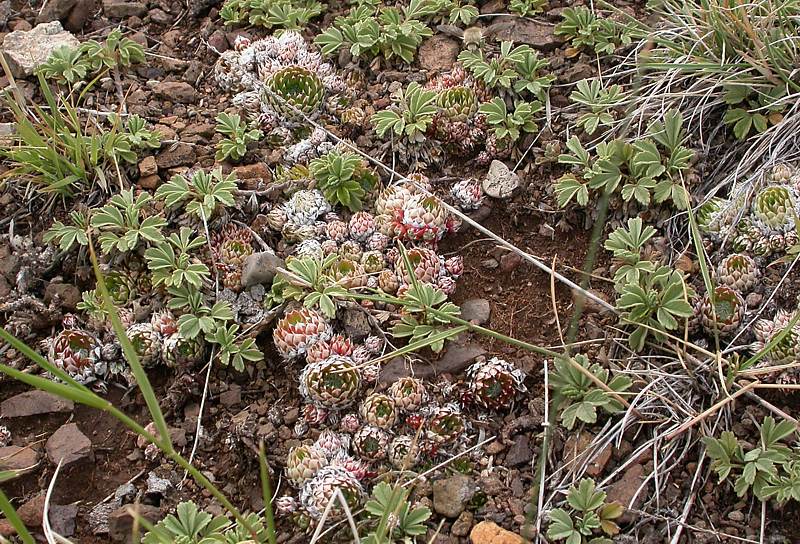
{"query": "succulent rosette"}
pixel 332 383
pixel 299 329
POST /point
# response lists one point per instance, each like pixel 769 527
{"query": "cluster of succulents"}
pixel 277 80
pixel 785 352
pixel 763 224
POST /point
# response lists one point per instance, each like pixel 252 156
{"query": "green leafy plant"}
pixel 117 51
pixel 577 397
pixel 396 520
pixel 191 525
pixel 343 177
pixel 171 261
pixel 61 152
pixel 231 350
pixel 123 225
pixel 654 303
pixel 278 14
pixel 770 468
pixel 648 170
pixel 237 137
pixel 599 100
pixel 390 31
pixel 526 8
pixel 139 136
pixel 458 12
pixel 508 126
pixel 69 235
pixel 515 70
pixel 627 245
pixel 198 317
pixel 65 65
pixel 201 195
pixel 411 114
pixel 310 281
pixel 588 515
pixel 585 29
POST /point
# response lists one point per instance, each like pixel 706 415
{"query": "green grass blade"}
pixel 266 493
pixel 13 518
pixel 62 390
pixel 131 356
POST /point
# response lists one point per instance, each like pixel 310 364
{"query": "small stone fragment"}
pixel 438 53
pixel 500 182
pixel 69 444
pixel 488 532
pixel 178 154
pixel 121 9
pixel 476 310
pixel 260 268
pixel 176 91
pixel 33 403
pixel 520 452
pixel 17 458
pixel 451 495
pixel 148 167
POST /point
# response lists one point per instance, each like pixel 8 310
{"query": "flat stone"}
pixel 624 489
pixel 177 154
pixel 476 310
pixel 18 458
pixel 260 268
pixel 62 518
pixel 120 521
pixel 355 323
pixel 67 294
pixel 148 167
pixel 150 182
pixel 231 397
pixel 31 512
pixel 176 91
pixel 500 182
pixel 27 50
pixel 451 495
pixel 69 444
pixel 488 532
pixel 520 452
pixel 577 444
pixel 121 9
pixel 528 31
pixel 33 403
pixel 456 358
pixel 438 53
pixel 462 525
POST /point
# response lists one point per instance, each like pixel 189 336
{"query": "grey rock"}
pixel 520 452
pixel 120 521
pixel 356 324
pixel 451 495
pixel 5 12
pixel 260 268
pixel 27 50
pixel 500 182
pixel 62 518
pixel 232 396
pixel 121 9
pixel 33 403
pixel 476 310
pixel 68 444
pixel 528 31
pixel 456 358
pixel 157 485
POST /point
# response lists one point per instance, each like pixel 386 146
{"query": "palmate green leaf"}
pixel 568 187
pixel 561 525
pixel 579 157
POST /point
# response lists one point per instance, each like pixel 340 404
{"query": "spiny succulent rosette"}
pixel 84 357
pixel 785 352
pixel 276 79
pixel 230 247
pixel 457 124
pixel 494 384
pixel 721 312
